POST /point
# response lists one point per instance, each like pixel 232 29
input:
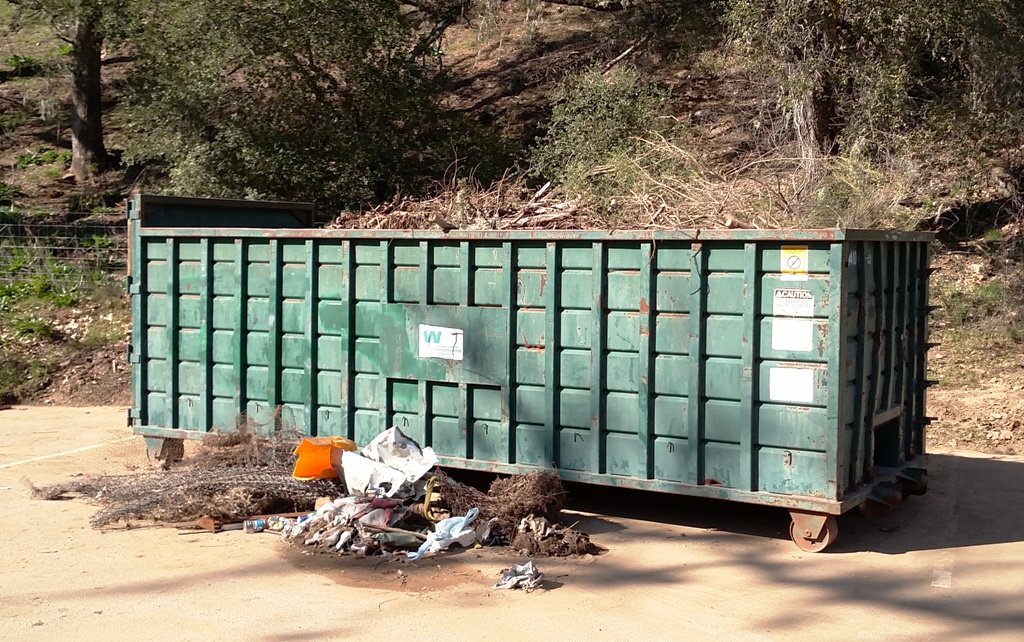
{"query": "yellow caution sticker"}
pixel 794 263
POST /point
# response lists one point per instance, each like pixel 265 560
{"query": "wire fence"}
pixel 80 248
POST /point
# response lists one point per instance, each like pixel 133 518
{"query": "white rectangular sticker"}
pixel 789 302
pixel 794 263
pixel 792 335
pixel 791 384
pixel 440 343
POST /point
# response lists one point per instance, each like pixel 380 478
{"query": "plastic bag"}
pixel 454 530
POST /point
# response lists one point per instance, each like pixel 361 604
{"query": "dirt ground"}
pixel 989 418
pixel 947 566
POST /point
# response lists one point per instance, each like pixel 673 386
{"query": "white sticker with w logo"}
pixel 440 343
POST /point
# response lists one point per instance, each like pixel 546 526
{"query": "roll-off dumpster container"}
pixel 775 367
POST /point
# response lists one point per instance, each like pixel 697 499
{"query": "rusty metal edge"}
pixel 305 213
pixel 539 235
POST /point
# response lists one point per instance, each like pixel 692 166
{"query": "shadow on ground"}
pixel 972 501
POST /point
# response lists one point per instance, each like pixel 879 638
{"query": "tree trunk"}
pixel 88 154
pixel 814 119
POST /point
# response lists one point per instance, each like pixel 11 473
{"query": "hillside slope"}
pixel 64 319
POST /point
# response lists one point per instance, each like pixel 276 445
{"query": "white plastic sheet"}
pixel 454 530
pixel 524 576
pixel 392 462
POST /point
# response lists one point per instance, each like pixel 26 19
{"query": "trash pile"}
pixel 399 501
pixel 387 498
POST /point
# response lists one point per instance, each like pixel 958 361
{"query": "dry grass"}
pixel 669 185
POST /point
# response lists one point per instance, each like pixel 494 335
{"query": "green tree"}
pixel 322 100
pixel 85 25
pixel 865 70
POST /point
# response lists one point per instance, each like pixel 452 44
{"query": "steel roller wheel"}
pixel 828 535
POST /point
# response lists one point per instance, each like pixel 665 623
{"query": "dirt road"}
pixel 949 566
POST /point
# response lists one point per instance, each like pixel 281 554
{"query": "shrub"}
pixel 23 65
pixel 595 128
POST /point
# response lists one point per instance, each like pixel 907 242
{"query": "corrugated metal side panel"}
pixel 222 329
pixel 701 367
pixel 603 359
pixel 795 429
pixel 886 333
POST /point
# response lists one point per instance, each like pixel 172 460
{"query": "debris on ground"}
pixel 232 477
pixel 454 530
pixel 224 494
pixel 507 501
pixel 391 462
pixel 524 576
pixel 387 498
pixel 320 457
pixel 247 447
pixel 538 536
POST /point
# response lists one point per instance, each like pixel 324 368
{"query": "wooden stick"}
pixel 391 529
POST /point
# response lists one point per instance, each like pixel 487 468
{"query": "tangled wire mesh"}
pixel 231 477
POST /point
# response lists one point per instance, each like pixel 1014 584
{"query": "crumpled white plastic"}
pixel 454 530
pixel 391 461
pixel 525 576
pixel 394 449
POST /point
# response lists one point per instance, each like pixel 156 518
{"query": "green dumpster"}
pixel 775 367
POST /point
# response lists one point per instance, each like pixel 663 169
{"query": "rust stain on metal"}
pixel 644 307
pixel 536 347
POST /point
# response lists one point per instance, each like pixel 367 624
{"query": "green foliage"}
pixel 38 287
pixel 993 235
pixel 102 202
pixel 23 65
pixel 37 328
pixel 314 100
pixel 97 242
pixel 880 68
pixel 595 128
pixel 965 305
pixel 858 192
pixel 12 119
pixel 678 29
pixel 32 274
pixel 8 193
pixel 21 375
pixel 43 156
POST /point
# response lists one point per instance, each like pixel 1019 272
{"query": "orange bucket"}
pixel 320 457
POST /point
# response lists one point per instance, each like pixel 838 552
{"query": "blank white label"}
pixel 792 335
pixel 791 384
pixel 440 343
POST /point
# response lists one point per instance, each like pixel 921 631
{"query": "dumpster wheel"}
pixel 828 534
